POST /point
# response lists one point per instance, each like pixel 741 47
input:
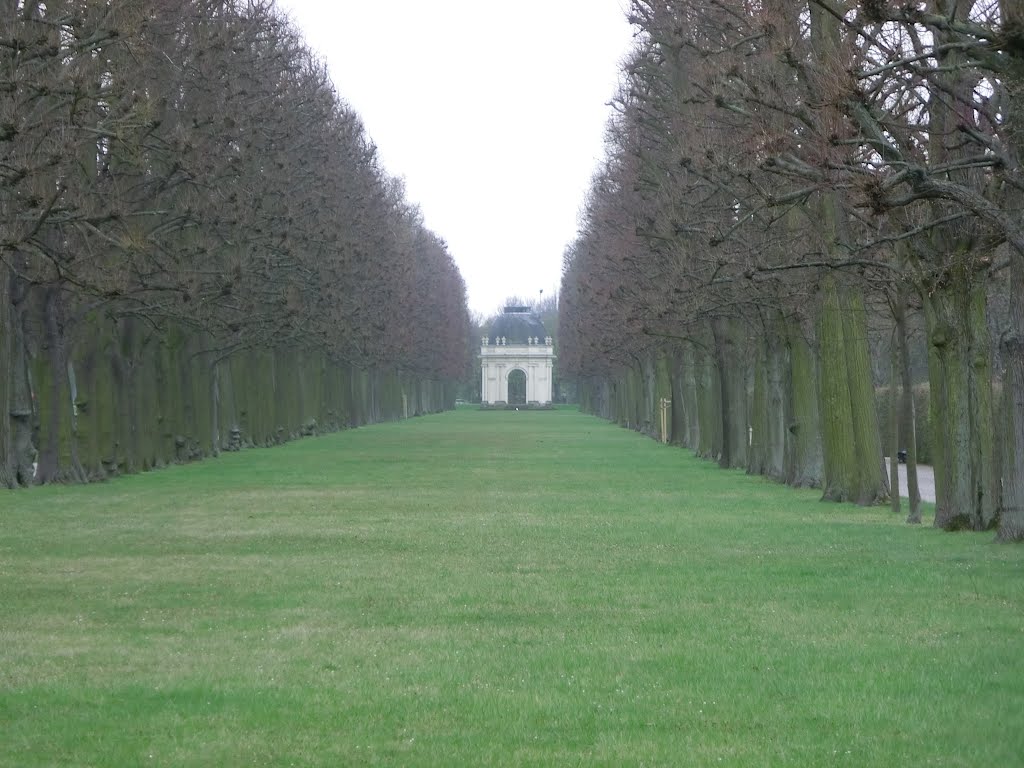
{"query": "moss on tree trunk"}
pixel 871 483
pixel 7 320
pixel 908 409
pixel 732 380
pixel 769 414
pixel 894 427
pixel 88 366
pixel 202 400
pixel 776 401
pixel 170 418
pixel 663 391
pixel 757 459
pixel 684 423
pixel 854 465
pixel 146 407
pixel 709 415
pixel 960 377
pixel 1011 512
pixel 805 463
pixel 838 439
pixel 56 391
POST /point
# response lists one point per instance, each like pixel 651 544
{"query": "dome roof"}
pixel 517 325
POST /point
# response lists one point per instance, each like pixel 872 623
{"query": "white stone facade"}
pixel 498 360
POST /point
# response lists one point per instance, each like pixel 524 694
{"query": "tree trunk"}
pixel 126 367
pixel 894 426
pixel 1011 513
pixel 215 442
pixel 908 413
pixel 58 459
pixel 854 465
pixel 647 397
pixel 17 414
pixel 837 417
pixel 805 461
pixel 757 458
pixel 768 415
pixel 7 473
pixel 961 402
pixel 871 479
pixel 776 366
pixel 88 369
pixel 708 406
pixel 680 412
pixel 733 398
pixel 23 407
pixel 688 390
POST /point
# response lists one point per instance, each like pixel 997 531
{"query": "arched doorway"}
pixel 517 387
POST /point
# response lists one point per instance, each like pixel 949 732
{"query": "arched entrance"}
pixel 517 387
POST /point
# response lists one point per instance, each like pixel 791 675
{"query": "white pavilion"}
pixel 516 362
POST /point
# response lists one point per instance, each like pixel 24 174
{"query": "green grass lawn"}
pixel 502 588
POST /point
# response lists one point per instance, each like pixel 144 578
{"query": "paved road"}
pixel 925 481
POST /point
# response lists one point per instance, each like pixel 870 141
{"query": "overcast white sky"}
pixel 493 113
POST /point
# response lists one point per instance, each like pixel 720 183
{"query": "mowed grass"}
pixel 496 589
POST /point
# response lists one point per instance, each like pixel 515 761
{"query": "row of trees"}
pixel 182 188
pixel 777 174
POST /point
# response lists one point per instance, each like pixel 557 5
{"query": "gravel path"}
pixel 925 481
